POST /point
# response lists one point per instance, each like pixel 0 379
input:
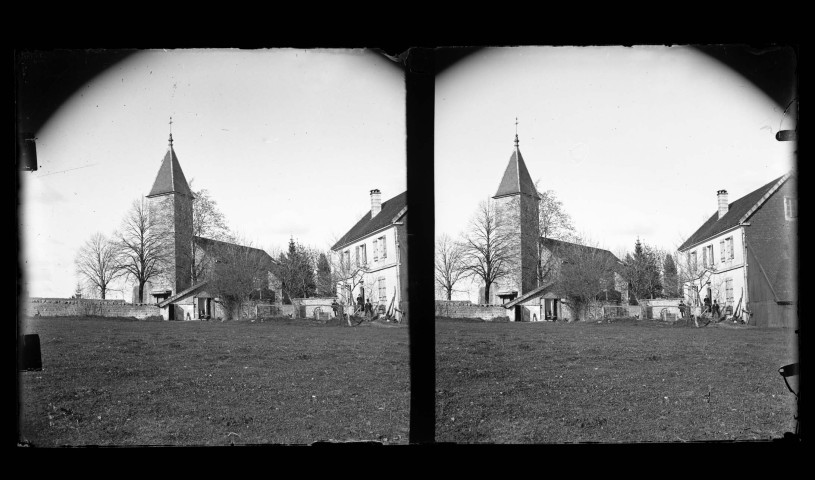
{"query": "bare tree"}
pixel 582 273
pixel 553 223
pixel 694 275
pixel 346 275
pixel 208 222
pixel 449 265
pixel 143 246
pixel 97 263
pixel 486 247
pixel 553 220
pixel 237 271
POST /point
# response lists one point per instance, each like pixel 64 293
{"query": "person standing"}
pixel 716 311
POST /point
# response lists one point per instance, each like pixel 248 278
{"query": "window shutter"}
pixel 721 250
pixel 384 248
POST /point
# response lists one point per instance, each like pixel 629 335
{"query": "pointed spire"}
pixel 170 178
pixel 516 179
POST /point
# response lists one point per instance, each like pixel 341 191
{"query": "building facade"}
pixel 550 301
pixel 170 206
pixel 371 258
pixel 745 256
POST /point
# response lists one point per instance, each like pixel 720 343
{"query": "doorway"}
pixel 551 308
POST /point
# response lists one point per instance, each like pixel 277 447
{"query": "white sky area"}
pixel 634 141
pixel 288 142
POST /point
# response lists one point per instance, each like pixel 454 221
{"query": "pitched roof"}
pixel 391 211
pixel 516 178
pixel 213 246
pixel 554 245
pixel 738 211
pixel 170 178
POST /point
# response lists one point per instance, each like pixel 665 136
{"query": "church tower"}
pixel 518 205
pixel 170 203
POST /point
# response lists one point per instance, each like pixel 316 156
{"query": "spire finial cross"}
pixel 171 131
pixel 516 132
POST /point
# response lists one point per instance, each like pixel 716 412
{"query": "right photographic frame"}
pixel 616 244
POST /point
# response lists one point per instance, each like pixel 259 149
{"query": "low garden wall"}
pixel 72 307
pixel 466 309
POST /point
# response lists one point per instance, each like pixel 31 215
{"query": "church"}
pixel 170 201
pixel 531 291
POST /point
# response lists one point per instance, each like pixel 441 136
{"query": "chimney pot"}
pixel 376 202
pixel 723 205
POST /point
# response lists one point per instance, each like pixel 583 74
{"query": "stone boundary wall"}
pixel 653 307
pixel 465 309
pixel 72 307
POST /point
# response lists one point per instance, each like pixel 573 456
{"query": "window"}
pixel 729 243
pixel 347 258
pixel 382 247
pixel 707 256
pixel 361 257
pixel 721 251
pixel 692 260
pixel 790 208
pixel 356 255
pixel 728 290
pixel 376 250
pixel 383 296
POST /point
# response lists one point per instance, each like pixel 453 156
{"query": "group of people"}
pixel 713 308
pixel 366 307
pixel 363 307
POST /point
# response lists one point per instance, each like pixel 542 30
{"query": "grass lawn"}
pixel 116 382
pixel 632 382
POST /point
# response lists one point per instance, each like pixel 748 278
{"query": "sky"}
pixel 635 141
pixel 288 142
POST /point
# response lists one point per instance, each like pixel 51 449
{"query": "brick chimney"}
pixel 723 206
pixel 376 202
